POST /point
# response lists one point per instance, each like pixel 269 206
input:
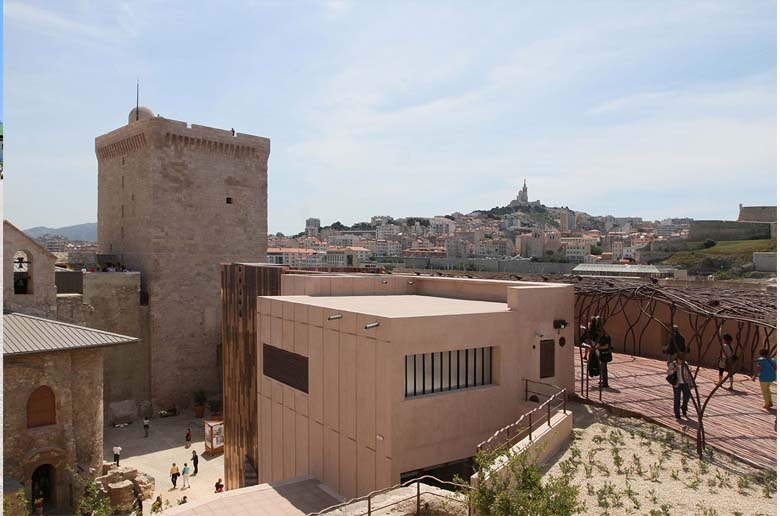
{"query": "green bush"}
pixel 520 490
pixel 708 243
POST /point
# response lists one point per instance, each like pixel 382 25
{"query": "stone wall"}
pixel 173 202
pixel 757 214
pixel 76 377
pixel 765 262
pixel 113 304
pixel 41 301
pixel 718 230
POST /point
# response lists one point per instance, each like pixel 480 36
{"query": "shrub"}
pixel 708 243
pixel 520 490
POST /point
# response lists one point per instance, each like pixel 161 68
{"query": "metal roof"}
pixel 23 334
pixel 616 267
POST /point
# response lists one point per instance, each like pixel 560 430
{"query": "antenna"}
pixel 137 88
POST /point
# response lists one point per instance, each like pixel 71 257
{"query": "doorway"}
pixel 43 485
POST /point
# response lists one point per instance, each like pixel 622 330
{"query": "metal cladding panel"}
pixel 27 334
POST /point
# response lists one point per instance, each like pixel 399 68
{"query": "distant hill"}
pixel 86 231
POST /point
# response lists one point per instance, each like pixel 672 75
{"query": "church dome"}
pixel 143 114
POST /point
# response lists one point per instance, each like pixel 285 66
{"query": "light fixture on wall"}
pixel 540 335
pixel 384 282
pixel 370 326
pixel 410 282
pixel 560 324
pixel 334 317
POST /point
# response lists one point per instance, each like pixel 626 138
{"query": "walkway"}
pixel 734 421
pixel 165 445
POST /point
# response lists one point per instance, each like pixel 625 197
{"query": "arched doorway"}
pixel 43 485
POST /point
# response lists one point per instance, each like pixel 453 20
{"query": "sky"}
pixel 651 109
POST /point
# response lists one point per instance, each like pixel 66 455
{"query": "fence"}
pixel 373 505
pixel 524 427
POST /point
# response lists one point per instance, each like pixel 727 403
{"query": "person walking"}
pixel 726 360
pixel 174 474
pixel 679 375
pixel 146 426
pixel 604 348
pixel 185 476
pixel 766 370
pixel 195 459
pixel 188 438
pixel 117 451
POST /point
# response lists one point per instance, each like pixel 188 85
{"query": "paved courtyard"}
pixel 164 446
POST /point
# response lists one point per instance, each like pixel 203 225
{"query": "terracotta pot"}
pixel 200 410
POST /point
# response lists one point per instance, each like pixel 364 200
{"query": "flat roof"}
pixel 398 306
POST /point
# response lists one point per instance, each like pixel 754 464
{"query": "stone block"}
pixel 121 493
pixel 123 411
pixel 144 484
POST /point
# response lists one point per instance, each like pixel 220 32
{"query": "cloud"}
pixel 46 20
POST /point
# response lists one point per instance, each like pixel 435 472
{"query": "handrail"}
pixel 512 432
pixel 368 496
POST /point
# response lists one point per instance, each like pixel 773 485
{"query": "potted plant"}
pixel 38 504
pixel 199 401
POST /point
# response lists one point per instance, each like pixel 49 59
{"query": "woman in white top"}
pixel 726 360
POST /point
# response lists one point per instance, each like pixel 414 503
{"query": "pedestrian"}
pixel 766 370
pixel 195 459
pixel 146 426
pixel 219 486
pixel 138 504
pixel 188 438
pixel 726 360
pixel 117 450
pixel 174 475
pixel 185 476
pixel 157 506
pixel 676 345
pixel 679 376
pixel 604 348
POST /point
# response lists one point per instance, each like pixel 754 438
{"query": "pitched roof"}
pixel 23 334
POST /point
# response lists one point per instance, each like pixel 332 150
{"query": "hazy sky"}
pixel 649 109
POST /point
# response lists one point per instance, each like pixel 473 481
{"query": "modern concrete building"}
pixel 175 200
pixel 365 380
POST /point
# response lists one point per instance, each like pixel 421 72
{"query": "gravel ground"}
pixel 627 466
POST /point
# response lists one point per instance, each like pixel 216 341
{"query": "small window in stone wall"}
pixel 41 408
pixel 228 200
pixel 22 273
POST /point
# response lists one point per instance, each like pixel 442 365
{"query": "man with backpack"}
pixel 766 370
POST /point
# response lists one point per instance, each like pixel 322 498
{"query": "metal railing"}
pixel 532 420
pixel 373 505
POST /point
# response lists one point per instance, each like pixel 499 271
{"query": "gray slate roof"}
pixel 23 334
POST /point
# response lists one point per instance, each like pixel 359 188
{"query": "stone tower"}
pixel 522 196
pixel 174 201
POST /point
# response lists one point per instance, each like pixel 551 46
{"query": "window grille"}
pixel 428 373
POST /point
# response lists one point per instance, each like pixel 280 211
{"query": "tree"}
pixel 94 502
pixel 16 505
pixel 518 490
pixel 594 249
pixel 470 266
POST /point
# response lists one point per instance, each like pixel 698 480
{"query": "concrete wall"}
pixel 162 210
pixel 354 429
pixel 547 441
pixel 41 302
pixel 76 377
pixel 765 262
pixel 727 230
